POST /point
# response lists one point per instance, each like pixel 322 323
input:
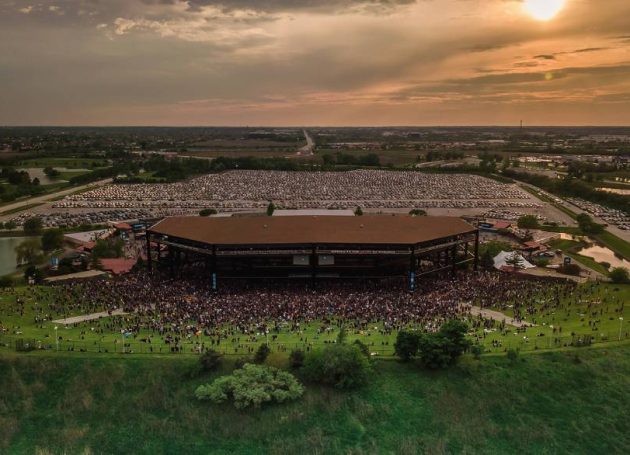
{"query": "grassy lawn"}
pixel 593 310
pixel 556 402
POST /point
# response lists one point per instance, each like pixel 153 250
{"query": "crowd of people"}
pixel 302 190
pixel 175 311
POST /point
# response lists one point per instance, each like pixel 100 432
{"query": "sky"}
pixel 313 62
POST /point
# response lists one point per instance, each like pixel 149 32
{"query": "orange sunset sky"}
pixel 294 62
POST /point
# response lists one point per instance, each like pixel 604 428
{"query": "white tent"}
pixel 501 260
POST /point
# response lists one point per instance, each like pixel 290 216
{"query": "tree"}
pixel 33 273
pixel 252 385
pixel 296 359
pixel 51 172
pixel 339 365
pixel 207 212
pixel 210 360
pixel 10 225
pixel 417 212
pixel 262 353
pixel 620 275
pixel 443 348
pixel 29 251
pixel 52 239
pixel 487 261
pixel 6 282
pixel 406 345
pixel 271 208
pixel 358 211
pixel 587 225
pixel 107 249
pixel 342 335
pixel 528 222
pixel 33 226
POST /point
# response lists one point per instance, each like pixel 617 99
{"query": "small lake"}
pixel 7 254
pixel 603 254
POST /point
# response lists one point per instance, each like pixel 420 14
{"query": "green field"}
pixel 561 402
pixel 69 163
pixel 593 311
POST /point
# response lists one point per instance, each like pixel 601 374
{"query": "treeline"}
pixel 571 187
pixel 371 159
pixel 20 185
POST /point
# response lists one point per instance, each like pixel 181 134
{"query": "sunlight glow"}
pixel 543 10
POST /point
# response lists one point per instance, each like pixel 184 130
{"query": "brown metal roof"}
pixel 263 230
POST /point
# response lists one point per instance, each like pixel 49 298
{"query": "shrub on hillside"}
pixel 262 353
pixel 570 269
pixel 252 386
pixel 210 360
pixel 339 365
pixel 296 359
pixel 619 275
pixel 406 345
pixel 442 349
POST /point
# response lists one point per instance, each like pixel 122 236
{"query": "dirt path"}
pixel 497 316
pixel 89 317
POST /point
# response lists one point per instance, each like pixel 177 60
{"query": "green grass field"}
pixel 561 402
pixel 594 311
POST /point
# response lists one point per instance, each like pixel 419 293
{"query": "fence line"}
pixel 21 344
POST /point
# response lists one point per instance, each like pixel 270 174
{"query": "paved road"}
pixel 309 148
pixel 46 198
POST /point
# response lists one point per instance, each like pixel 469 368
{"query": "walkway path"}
pixel 89 317
pixel 497 316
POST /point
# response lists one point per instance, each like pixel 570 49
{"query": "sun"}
pixel 543 10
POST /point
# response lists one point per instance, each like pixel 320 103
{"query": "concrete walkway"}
pixel 89 317
pixel 497 316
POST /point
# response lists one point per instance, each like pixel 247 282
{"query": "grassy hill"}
pixel 556 402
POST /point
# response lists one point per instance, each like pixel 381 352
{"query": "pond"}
pixel 7 254
pixel 603 254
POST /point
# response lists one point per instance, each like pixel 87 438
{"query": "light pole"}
pixel 620 326
pixel 56 338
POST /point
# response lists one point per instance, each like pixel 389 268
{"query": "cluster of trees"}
pixel 571 187
pixel 528 222
pixel 370 159
pixel 20 185
pixel 587 225
pixel 439 349
pixel 439 156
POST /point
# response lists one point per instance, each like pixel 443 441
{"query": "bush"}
pixel 339 365
pixel 417 212
pixel 52 239
pixel 33 226
pixel 570 269
pixel 210 360
pixel 252 385
pixel 296 359
pixel 358 211
pixel 6 282
pixel 207 212
pixel 619 275
pixel 262 353
pixel 406 345
pixel 528 222
pixel 512 355
pixel 476 351
pixel 443 348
